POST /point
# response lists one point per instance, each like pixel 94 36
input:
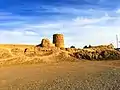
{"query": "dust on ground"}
pixel 65 75
pixel 82 75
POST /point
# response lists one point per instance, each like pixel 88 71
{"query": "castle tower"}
pixel 58 40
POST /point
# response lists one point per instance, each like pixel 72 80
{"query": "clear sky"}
pixel 82 22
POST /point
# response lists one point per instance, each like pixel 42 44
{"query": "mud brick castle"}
pixel 58 41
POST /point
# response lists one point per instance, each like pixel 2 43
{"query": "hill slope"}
pixel 29 54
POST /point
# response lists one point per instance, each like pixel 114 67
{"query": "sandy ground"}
pixel 64 75
pixel 83 75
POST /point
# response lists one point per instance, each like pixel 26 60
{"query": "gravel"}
pixel 105 80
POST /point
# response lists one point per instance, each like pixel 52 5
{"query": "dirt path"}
pixel 61 76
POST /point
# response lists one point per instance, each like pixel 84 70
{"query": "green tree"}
pixel 85 46
pixel 72 47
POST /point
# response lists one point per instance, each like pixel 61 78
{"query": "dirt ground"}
pixel 82 75
pixel 21 71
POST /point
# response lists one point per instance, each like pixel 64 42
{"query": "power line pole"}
pixel 117 40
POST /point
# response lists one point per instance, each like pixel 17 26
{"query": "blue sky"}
pixel 82 22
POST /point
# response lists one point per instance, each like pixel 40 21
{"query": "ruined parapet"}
pixel 58 40
pixel 46 43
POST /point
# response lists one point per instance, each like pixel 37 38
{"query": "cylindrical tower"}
pixel 58 40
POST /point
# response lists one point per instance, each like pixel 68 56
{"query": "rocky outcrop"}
pixel 98 55
pixel 110 46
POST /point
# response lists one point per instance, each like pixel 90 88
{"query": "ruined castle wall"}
pixel 58 40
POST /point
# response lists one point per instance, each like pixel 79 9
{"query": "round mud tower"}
pixel 58 40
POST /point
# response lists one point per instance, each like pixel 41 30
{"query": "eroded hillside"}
pixel 28 54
